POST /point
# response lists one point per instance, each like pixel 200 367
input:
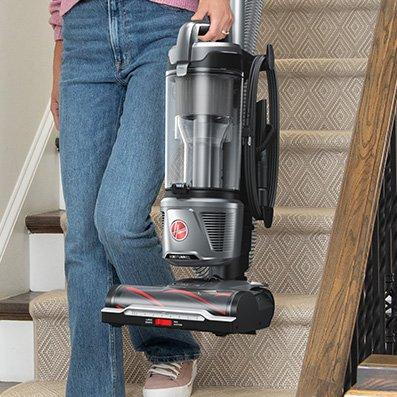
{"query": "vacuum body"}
pixel 202 209
pixel 220 176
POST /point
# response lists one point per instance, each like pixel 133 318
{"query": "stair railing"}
pixel 328 348
pixel 375 330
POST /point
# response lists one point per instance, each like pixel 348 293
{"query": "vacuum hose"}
pixel 261 148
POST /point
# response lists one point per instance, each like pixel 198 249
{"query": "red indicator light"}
pixel 162 322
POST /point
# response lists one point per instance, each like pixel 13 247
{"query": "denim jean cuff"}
pixel 179 358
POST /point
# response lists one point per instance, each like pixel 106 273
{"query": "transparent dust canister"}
pixel 203 130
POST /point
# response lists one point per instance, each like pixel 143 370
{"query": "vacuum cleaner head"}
pixel 221 307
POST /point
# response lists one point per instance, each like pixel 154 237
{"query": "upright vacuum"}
pixel 222 154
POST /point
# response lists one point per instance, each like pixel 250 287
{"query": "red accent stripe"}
pixel 145 295
pixel 199 298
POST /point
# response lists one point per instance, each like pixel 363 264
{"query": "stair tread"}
pixel 377 373
pixel 379 361
pixel 314 67
pixel 17 307
pixel 308 219
pixel 305 140
pixel 359 392
pixel 318 212
pixel 302 220
pixel 294 308
pixel 46 222
pixel 321 4
pixel 7 385
pixel 56 389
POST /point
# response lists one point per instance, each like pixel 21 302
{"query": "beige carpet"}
pixel 56 389
pixel 322 48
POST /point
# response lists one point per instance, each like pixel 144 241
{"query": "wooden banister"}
pixel 330 337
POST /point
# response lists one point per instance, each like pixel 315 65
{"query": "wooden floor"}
pixel 17 307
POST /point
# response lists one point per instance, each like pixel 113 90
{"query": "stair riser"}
pixel 290 263
pixel 317 102
pixel 46 252
pixel 318 32
pixel 287 263
pixel 16 351
pixel 272 358
pixel 310 178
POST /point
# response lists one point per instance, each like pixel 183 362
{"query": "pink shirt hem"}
pixel 58 8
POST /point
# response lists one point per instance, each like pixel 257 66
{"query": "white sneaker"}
pixel 170 380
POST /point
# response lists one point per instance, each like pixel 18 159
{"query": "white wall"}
pixel 17 354
pixel 25 80
pixel 26 44
pixel 42 196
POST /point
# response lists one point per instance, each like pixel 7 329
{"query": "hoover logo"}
pixel 179 230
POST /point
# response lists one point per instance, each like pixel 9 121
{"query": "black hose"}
pixel 269 147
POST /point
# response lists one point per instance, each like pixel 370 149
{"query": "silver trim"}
pixel 237 32
pixel 155 311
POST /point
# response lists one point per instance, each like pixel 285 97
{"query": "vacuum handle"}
pixel 271 153
pixel 188 35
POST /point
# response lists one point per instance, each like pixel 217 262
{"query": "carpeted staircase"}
pixel 322 48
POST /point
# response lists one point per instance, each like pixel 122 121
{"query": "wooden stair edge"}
pixel 369 393
pixel 46 222
pixel 16 308
pixel 376 376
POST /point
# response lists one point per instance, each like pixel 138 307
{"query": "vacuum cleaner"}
pixel 221 168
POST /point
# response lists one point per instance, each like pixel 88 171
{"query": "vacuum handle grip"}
pixel 203 28
pixel 188 35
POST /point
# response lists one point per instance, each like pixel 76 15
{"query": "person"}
pixel 108 103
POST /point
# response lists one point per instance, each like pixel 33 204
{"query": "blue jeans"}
pixel 112 163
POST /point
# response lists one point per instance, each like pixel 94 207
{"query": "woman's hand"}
pixel 56 70
pixel 221 18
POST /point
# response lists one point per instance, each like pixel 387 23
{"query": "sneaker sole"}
pixel 181 391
